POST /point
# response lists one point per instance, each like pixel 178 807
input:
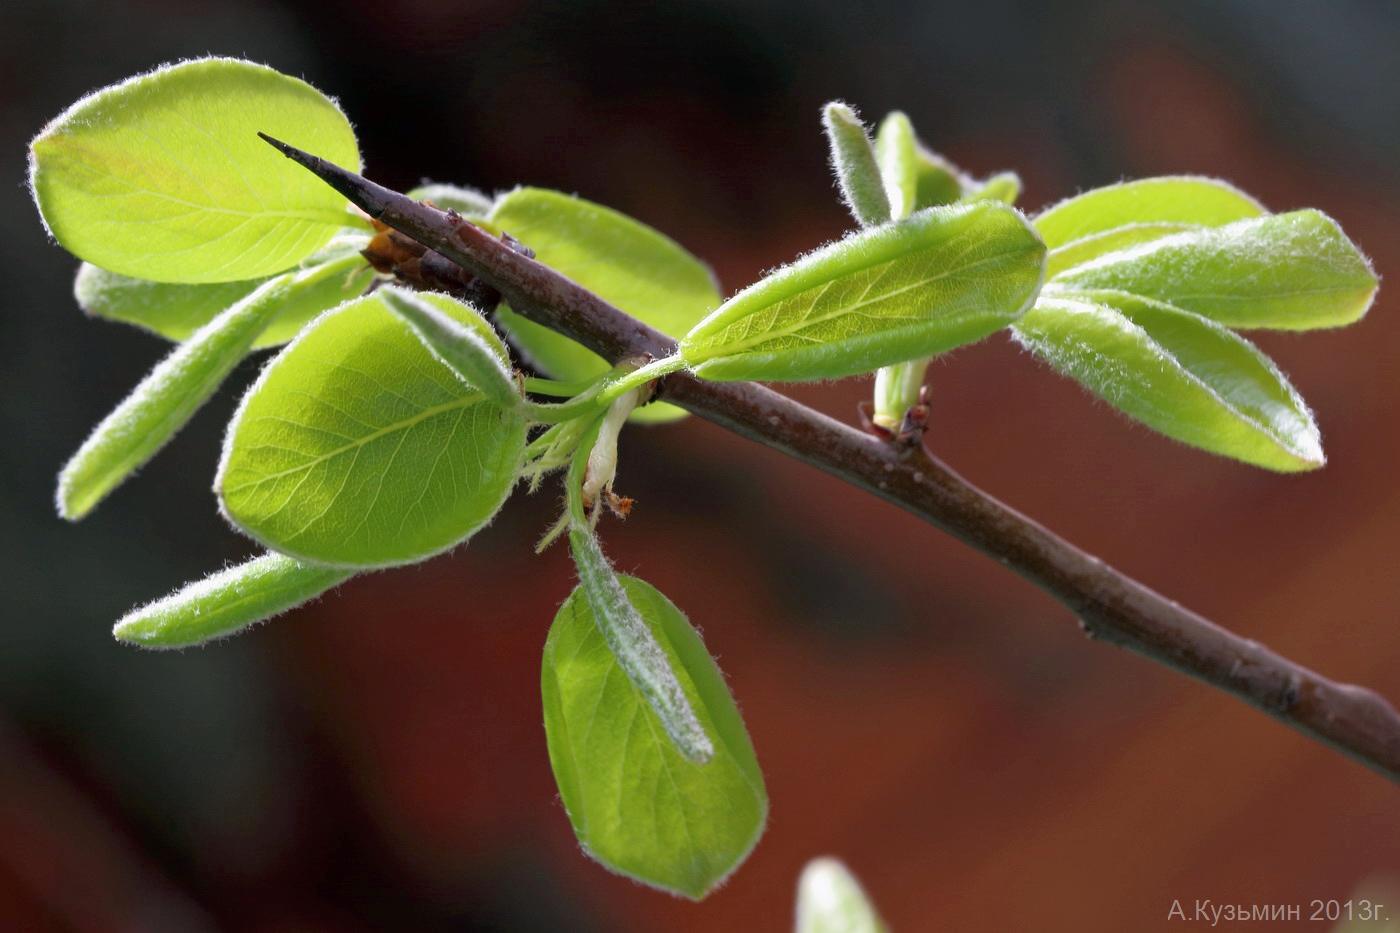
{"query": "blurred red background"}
pixel 376 761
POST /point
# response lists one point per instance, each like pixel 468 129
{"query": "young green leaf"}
pixel 901 164
pixel 1174 371
pixel 357 447
pixel 163 176
pixel 628 263
pixel 1003 186
pixel 916 177
pixel 1091 247
pixel 468 202
pixel 165 400
pixel 227 602
pixel 177 310
pixel 1294 271
pixel 636 804
pixel 831 900
pixel 630 639
pixel 1181 199
pixel 478 361
pixel 943 278
pixel 853 160
pixel 170 309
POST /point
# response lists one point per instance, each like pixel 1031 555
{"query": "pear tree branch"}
pixel 1110 606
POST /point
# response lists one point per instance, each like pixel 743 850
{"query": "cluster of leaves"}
pixel 393 424
pixel 1144 285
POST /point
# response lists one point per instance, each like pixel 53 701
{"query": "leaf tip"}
pixel 829 897
pixel 130 631
pixel 142 627
pixel 839 110
pixel 71 503
pixel 1311 459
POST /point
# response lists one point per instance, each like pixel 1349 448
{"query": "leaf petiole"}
pixel 625 381
pixel 897 390
pixel 584 400
pixel 556 389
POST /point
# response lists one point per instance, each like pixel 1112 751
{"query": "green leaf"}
pixel 468 202
pixel 628 263
pixel 1087 248
pixel 631 641
pixel 1294 271
pixel 943 278
pixel 853 160
pixel 897 153
pixel 164 401
pixel 831 900
pixel 172 310
pixel 163 176
pixel 1182 199
pixel 637 805
pixel 915 177
pixel 357 447
pixel 461 347
pixel 227 602
pixel 1174 371
pixel 1003 186
pixel 177 310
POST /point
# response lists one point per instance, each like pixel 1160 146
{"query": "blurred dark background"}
pixel 377 762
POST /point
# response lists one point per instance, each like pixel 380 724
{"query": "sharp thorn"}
pixel 363 193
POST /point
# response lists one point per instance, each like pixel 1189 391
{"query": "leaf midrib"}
pixel 1262 426
pixel 316 216
pixel 807 322
pixel 406 424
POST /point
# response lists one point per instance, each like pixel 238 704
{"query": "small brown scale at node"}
pixel 393 253
pixel 389 249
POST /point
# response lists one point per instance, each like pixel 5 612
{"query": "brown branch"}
pixel 1110 606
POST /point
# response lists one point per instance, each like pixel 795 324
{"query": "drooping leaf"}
pixel 1294 271
pixel 831 900
pixel 637 805
pixel 1178 199
pixel 853 160
pixel 631 641
pixel 163 176
pixel 1186 376
pixel 176 310
pixel 357 447
pixel 468 202
pixel 227 602
pixel 943 278
pixel 628 263
pixel 165 400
